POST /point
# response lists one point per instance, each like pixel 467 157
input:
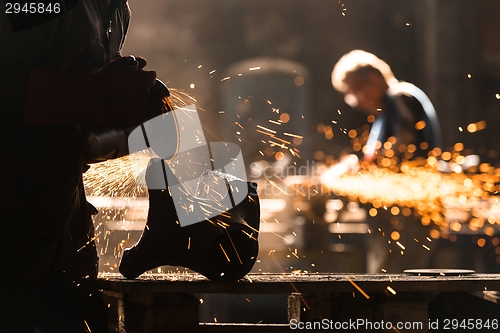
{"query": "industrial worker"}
pixel 56 76
pixel 404 116
pixel 402 110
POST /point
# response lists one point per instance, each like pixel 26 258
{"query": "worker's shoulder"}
pixel 406 89
pixel 411 94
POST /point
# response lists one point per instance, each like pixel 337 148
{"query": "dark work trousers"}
pixel 49 286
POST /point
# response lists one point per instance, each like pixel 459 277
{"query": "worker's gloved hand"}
pixel 120 94
pixel 160 103
pixel 125 88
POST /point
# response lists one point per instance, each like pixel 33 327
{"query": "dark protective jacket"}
pixel 41 166
pixel 405 105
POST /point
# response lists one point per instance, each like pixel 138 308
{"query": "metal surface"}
pixel 303 283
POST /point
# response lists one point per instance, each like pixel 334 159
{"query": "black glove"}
pixel 120 94
pixel 101 143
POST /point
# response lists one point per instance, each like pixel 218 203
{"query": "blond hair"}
pixel 357 60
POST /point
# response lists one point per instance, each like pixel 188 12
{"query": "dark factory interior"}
pixel 322 235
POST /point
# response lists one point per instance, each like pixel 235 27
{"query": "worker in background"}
pixel 402 111
pixel 57 75
pixel 404 117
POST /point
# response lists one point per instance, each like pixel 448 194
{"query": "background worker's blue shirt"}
pixel 405 105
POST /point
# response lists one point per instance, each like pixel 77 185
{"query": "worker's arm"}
pixel 18 53
pixel 113 96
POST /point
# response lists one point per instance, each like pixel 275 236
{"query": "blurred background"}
pixel 448 48
pixel 254 66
